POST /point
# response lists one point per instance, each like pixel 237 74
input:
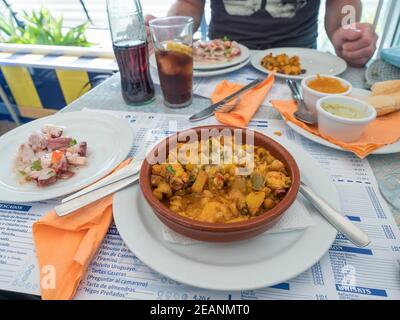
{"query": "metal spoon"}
pixel 302 112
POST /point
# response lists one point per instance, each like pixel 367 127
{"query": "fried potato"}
pixel 282 63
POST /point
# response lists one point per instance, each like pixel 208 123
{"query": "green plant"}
pixel 40 27
pixel 7 27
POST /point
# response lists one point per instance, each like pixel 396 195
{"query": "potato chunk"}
pixel 163 188
pixel 200 182
pixel 254 200
pixel 213 212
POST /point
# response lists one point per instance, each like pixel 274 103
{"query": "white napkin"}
pixel 296 218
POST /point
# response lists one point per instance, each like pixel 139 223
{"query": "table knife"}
pixel 208 112
pixel 129 171
pixel 86 199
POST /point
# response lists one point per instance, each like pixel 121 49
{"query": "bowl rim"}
pixel 304 85
pixel 251 224
pixel 370 118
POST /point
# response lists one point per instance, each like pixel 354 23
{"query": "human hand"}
pixel 357 44
pixel 147 19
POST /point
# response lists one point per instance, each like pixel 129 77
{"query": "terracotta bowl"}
pixel 221 232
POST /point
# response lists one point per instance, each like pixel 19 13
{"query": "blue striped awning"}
pixel 54 61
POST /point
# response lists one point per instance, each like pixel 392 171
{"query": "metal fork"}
pixel 226 108
pixel 302 112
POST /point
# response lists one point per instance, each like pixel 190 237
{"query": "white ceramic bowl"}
pixel 344 129
pixel 311 96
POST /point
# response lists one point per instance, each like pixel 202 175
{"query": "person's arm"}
pixel 192 8
pixel 356 44
pixel 334 15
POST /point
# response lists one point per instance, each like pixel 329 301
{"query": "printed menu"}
pixel 345 272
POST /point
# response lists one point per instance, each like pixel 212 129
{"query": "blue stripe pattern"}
pixel 282 286
pixel 351 250
pixel 48 88
pixel 361 290
pixel 14 207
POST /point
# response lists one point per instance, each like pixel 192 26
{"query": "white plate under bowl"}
pixel 208 66
pixel 356 93
pixel 109 141
pixel 313 61
pixel 209 73
pixel 261 262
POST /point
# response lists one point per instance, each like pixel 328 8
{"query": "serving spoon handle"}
pixel 341 223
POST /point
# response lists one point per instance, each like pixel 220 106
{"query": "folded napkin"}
pixel 295 218
pixel 249 101
pixel 67 244
pixel 383 131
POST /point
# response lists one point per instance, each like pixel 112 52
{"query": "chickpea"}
pixel 177 204
pixel 270 159
pixel 155 180
pixel 159 170
pixel 277 165
pixel 269 204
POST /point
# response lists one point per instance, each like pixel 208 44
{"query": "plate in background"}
pixel 109 142
pixel 199 73
pixel 210 65
pixel 313 61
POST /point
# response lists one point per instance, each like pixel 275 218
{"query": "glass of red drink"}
pixel 128 32
pixel 173 39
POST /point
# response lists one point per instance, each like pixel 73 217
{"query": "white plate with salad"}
pixel 218 54
pixel 197 73
pixel 57 155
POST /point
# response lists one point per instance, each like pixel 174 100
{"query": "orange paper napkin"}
pixel 66 245
pixel 383 131
pixel 248 105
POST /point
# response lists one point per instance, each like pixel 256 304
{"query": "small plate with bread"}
pixel 384 97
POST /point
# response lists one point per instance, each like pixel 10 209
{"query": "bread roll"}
pixel 385 104
pixel 386 87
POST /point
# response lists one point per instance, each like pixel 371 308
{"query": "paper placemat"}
pixel 345 272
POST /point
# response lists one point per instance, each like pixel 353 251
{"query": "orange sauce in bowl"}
pixel 327 85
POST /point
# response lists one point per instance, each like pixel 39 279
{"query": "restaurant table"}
pixel 107 96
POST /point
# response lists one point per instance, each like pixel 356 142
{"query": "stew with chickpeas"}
pixel 216 193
